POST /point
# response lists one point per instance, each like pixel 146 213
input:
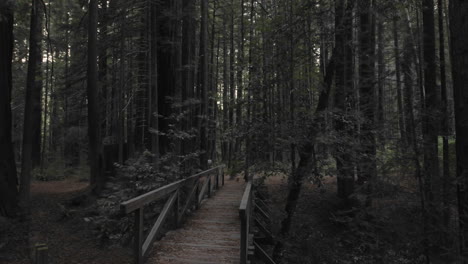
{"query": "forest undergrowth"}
pixel 68 235
pixel 325 230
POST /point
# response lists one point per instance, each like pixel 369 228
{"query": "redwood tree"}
pixel 204 82
pixel 95 144
pixel 31 128
pixel 430 120
pixel 459 44
pixel 8 191
pixel 366 91
pixel 344 93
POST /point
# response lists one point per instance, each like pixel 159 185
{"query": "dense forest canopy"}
pixel 367 97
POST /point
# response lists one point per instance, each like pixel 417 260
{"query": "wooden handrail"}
pixel 245 212
pixel 137 204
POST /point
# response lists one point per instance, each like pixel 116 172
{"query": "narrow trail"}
pixel 68 238
pixel 210 236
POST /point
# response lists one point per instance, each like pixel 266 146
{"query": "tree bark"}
pixel 232 86
pixel 95 143
pixel 344 93
pixel 8 181
pixel 367 92
pixel 401 118
pixel 224 142
pixel 431 109
pixel 445 117
pixel 36 49
pixel 381 82
pixel 204 82
pixel 240 71
pixel 154 120
pixel 459 56
pixel 32 127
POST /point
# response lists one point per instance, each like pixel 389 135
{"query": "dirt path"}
pixel 66 234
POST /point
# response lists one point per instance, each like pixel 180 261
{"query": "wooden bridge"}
pixel 214 218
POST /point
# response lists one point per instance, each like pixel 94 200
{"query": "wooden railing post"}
pixel 176 210
pixel 217 179
pixel 41 254
pixel 244 238
pixel 222 175
pixel 138 235
pixel 197 194
pixel 245 210
pixel 209 185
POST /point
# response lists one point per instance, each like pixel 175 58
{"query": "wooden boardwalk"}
pixel 210 236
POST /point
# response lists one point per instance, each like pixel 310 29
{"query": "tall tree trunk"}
pixel 141 93
pixel 117 98
pixel 232 85
pixel 104 94
pixel 32 126
pixel 8 181
pixel 225 144
pixel 291 82
pixel 188 64
pixel 459 42
pixel 367 91
pixel 381 81
pixel 37 95
pixel 401 118
pixel 344 93
pixel 177 69
pixel 240 71
pixel 204 82
pixel 95 143
pixel 445 117
pixel 154 120
pixel 431 109
pixel 306 156
pixel 249 91
pixel 213 102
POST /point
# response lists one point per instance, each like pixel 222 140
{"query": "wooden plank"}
pixel 209 186
pixel 217 179
pixel 246 197
pixel 244 240
pixel 259 252
pixel 41 254
pixel 194 260
pixel 202 245
pixel 244 213
pixel 176 209
pixel 263 229
pixel 258 209
pixel 203 173
pixel 188 201
pixel 203 190
pixel 138 235
pixel 261 204
pixel 162 217
pixel 222 174
pixel 140 201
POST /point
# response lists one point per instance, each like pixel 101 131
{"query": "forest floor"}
pixel 324 231
pixel 65 233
